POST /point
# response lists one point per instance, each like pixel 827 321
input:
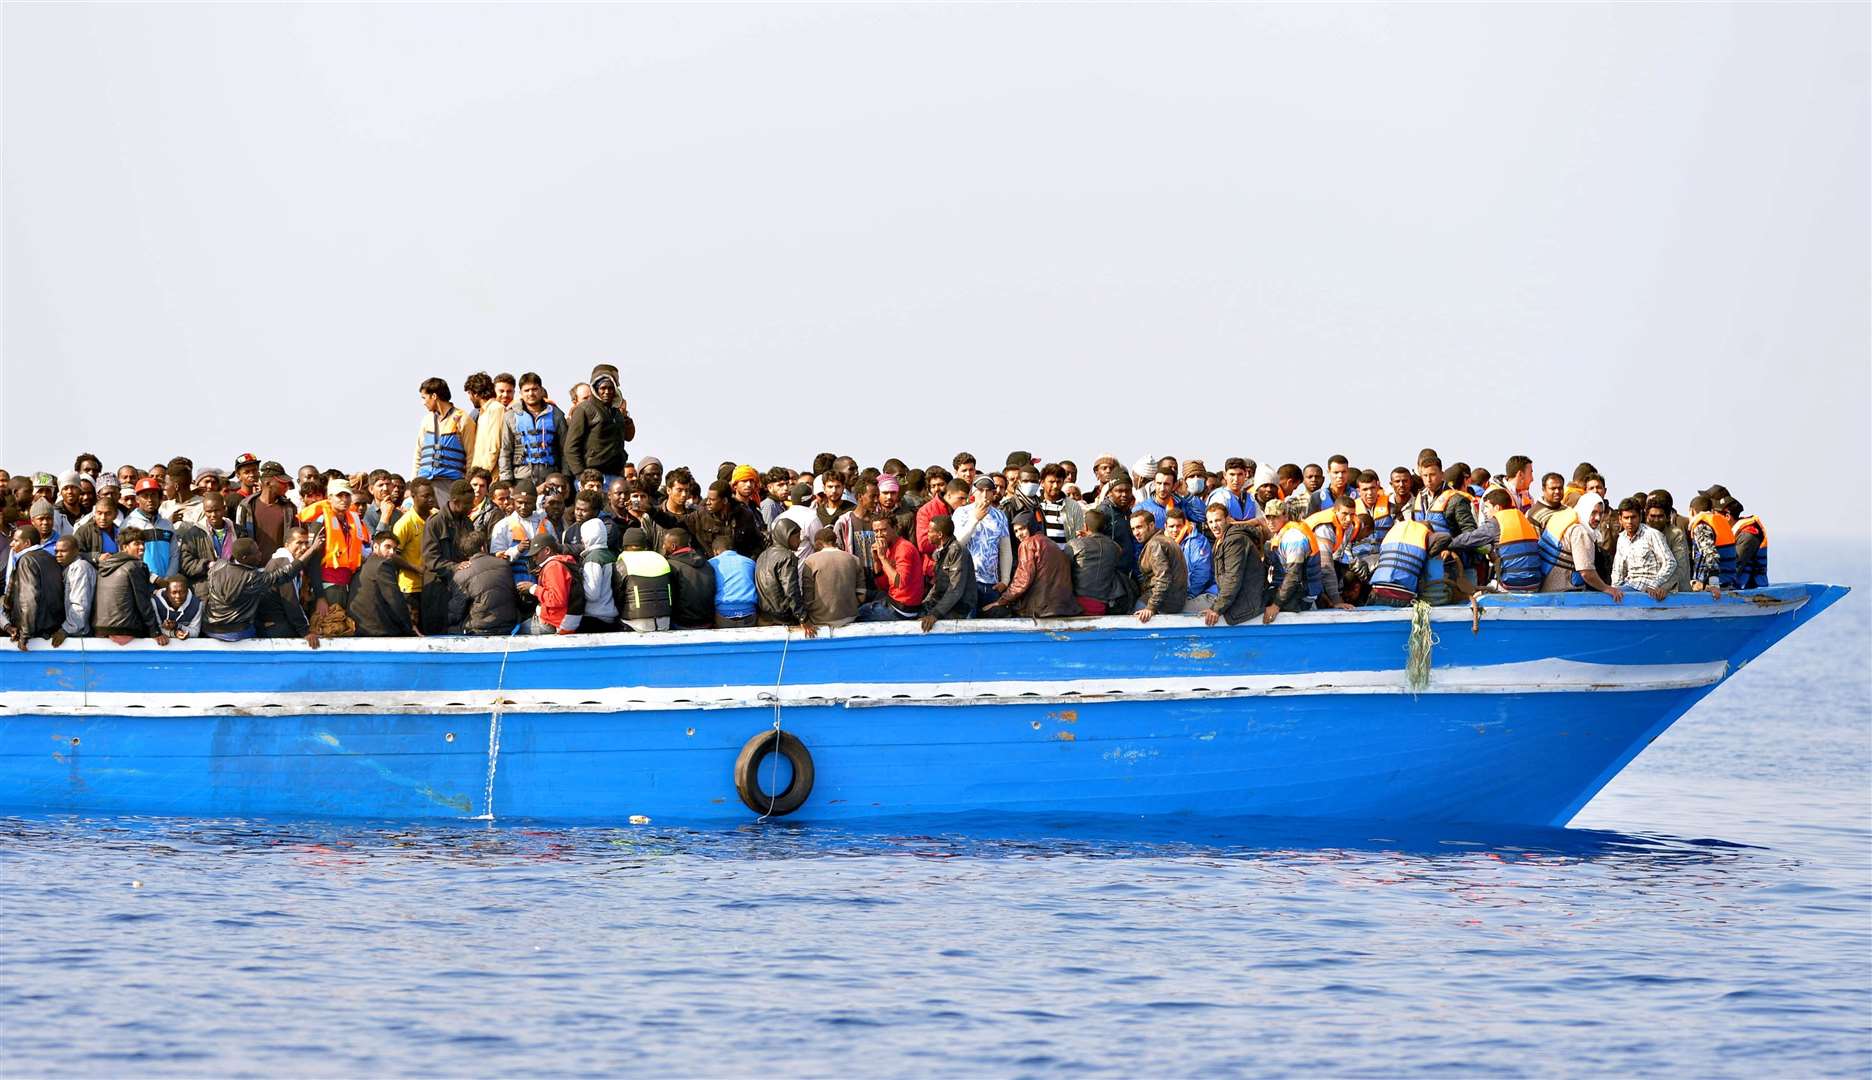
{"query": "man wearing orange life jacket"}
pixel 1751 545
pixel 1517 479
pixel 1514 540
pixel 1712 548
pixel 1374 503
pixel 344 538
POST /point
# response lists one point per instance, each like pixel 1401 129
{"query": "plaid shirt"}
pixel 1643 561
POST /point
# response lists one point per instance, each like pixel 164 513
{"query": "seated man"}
pixel 777 576
pixel 125 608
pixel 736 596
pixel 557 588
pixel 1643 560
pixel 899 565
pixel 952 584
pixel 1163 577
pixel 641 584
pixel 832 584
pixel 376 602
pixel 692 582
pixel 487 603
pixel 35 591
pixel 1099 586
pixel 237 588
pixel 178 608
pixel 1042 586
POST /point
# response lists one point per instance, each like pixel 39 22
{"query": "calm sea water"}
pixel 1710 914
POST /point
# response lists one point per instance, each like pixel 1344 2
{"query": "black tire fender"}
pixel 747 773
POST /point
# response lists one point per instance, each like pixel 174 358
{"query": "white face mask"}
pixel 1031 490
pixel 1196 484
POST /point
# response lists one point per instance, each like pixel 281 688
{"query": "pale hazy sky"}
pixel 1637 234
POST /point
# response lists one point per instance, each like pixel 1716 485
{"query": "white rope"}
pixel 774 755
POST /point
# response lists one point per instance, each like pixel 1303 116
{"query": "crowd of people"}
pixel 523 516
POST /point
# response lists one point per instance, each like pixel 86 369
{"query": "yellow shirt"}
pixel 409 538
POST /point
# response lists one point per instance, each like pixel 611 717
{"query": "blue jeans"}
pixel 880 610
pixel 237 635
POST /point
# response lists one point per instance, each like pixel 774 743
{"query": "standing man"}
pixel 533 436
pixel 492 400
pixel 1235 496
pixel 446 435
pixel 599 428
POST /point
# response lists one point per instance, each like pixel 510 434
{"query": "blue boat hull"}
pixel 1531 707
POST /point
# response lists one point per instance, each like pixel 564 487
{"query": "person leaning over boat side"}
pixel 899 584
pixel 1042 586
pixel 1240 568
pixel 178 609
pixel 35 591
pixel 483 600
pixel 446 436
pixel 832 585
pixel 952 577
pixel 599 428
pixel 1713 548
pixel 124 607
pixel 1751 544
pixel 1163 578
pixel 1643 560
pixel 1569 544
pixel 777 577
pixel 692 582
pixel 641 584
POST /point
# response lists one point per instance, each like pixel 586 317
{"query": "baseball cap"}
pixel 149 483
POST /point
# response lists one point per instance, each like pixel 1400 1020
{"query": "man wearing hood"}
pixel 237 587
pixel 599 428
pixel 777 577
pixel 35 591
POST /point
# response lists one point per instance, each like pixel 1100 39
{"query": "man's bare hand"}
pixel 1210 617
pixel 312 639
pixel 1144 615
pixel 58 638
pixel 161 639
pixel 1657 592
pixel 1268 615
pixel 928 622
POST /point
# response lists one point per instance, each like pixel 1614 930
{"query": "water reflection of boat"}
pixel 1528 708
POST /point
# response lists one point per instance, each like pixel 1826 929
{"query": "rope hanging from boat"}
pixel 773 785
pixel 1422 640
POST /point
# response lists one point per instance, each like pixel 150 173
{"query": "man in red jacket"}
pixel 557 589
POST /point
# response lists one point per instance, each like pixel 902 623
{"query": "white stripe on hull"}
pixel 1531 677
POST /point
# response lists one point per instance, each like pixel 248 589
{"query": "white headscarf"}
pixel 1586 505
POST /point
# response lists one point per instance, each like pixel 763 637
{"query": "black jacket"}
pixel 90 538
pixel 1095 564
pixel 1241 573
pixel 489 604
pixel 776 576
pixel 280 613
pixel 35 594
pixel 595 438
pixel 952 586
pixel 124 607
pixel 235 593
pixel 376 602
pixel 742 525
pixel 692 590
